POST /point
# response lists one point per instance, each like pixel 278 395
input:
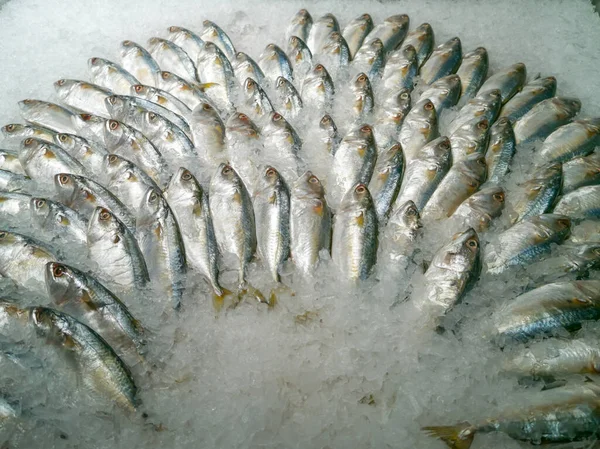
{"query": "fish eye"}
pixel 138 88
pixel 481 161
pixel 313 179
pixel 243 117
pixel 472 243
pixel 404 95
pixel 86 117
pixel 165 75
pixel 153 197
pixel 564 222
pixel 445 145
pixel 116 238
pixel 226 170
pixel 319 68
pixel 326 120
pixel 63 137
pixel 206 107
pixel 104 215
pixel 249 82
pixel 277 116
pixel 112 159
pixel 39 203
pixel 113 124
pixel 9 128
pixel 3 234
pixel 127 43
pixel 63 179
pixel 270 172
pixel 362 77
pixel 411 212
pixel 366 129
pixel 152 116
pixel 429 106
pixel 112 99
pixel 360 189
pixel 186 175
pixel 28 141
pixel 499 197
pixel 483 124
pixel 58 271
pixel 60 82
pixel 280 81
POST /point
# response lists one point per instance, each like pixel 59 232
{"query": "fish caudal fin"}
pixel 459 436
pixel 226 299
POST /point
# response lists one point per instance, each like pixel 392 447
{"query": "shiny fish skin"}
pixel 120 262
pixel 172 58
pixel 335 52
pixel 275 63
pixel 572 140
pixel 527 241
pixel 47 115
pixel 282 142
pixel 329 135
pixel 581 172
pixel 137 61
pixel 288 98
pixel 190 204
pixel 444 60
pixel 508 81
pixel 462 180
pixel 9 161
pixel 189 41
pixel 484 105
pixel 404 227
pixel 581 203
pixel 58 222
pixel 500 150
pixel 391 32
pixel 310 223
pixel 257 101
pixel 239 127
pixel 544 118
pixel 481 208
pixel 300 25
pixel 42 160
pixel 386 180
pixel 577 258
pixel 370 59
pixel 355 234
pixel 531 94
pixel 443 93
pixel 538 194
pixel 209 133
pixel 420 127
pixel 16 182
pixel 390 116
pixel 89 126
pixel 162 98
pixel 424 172
pixel 213 33
pixel 362 93
pixel 83 96
pixel 245 67
pixel 300 57
pixel 15 210
pixel 319 31
pixel 99 367
pixel 421 38
pixel 190 94
pixel 89 154
pixel 111 76
pixel 401 67
pixel 318 89
pixel 473 71
pixel 470 138
pixel 14 134
pixel 356 31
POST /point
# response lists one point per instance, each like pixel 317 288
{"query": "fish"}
pixel 10 162
pixel 473 71
pixel 42 160
pixel 424 172
pixel 583 203
pixel 453 270
pixel 444 60
pixel 14 133
pixel 370 58
pixel 363 99
pixel 391 31
pixel 356 31
pixel 300 57
pixel 272 212
pixel 162 98
pixel 81 295
pixel 481 208
pixel 420 127
pixel 572 140
pixel 485 105
pixel 239 127
pixel 508 81
pixel 527 241
pixel 335 53
pixel 245 67
pixel 401 68
pixel 121 266
pixel 83 96
pixel 310 223
pixel 391 114
pixel 288 99
pixel 421 38
pixel 47 115
pixel 16 182
pixel 85 195
pixel 581 172
pixel 500 151
pixel 300 25
pixel 89 154
pixel 531 94
pixel 443 93
pixel 548 309
pixel 570 258
pixel 162 245
pixel 257 102
pixel 190 94
pixel 99 367
pixel 329 135
pixel 386 180
pixel 189 41
pixel 213 68
pixel 89 126
pixel 172 58
pixel 545 118
pixel 15 210
pixel 355 234
pixel 404 226
pixel 319 31
pixel 274 63
pixel 462 180
pixel 136 60
pixel 111 76
pixel 538 194
pixel 211 32
pixel 281 140
pixel 209 133
pixel 58 222
pixel 318 89
pixel 189 202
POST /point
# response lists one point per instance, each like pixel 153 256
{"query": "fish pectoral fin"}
pixel 459 436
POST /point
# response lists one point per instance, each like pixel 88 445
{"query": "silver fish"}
pixel 288 98
pixel 355 234
pixel 319 31
pixel 15 211
pixel 485 105
pixel 581 172
pixel 544 118
pixel 386 180
pixel 89 126
pixel 471 138
pixel 570 259
pixel 245 67
pixel 48 115
pixel 42 160
pixel 137 61
pixel 404 227
pixel 473 71
pixel 213 33
pixel 370 58
pixel 481 208
pixel 401 68
pixel 508 81
pixel 420 127
pixel 391 114
pixel 111 76
pixel 538 194
pixel 585 231
pixel 391 31
pixel 300 57
pixel 500 151
pixel 83 96
pixel 356 31
pixel 572 140
pixel 581 203
pixel 172 58
pixel 310 223
pixel 58 222
pixel 162 98
pixel 213 67
pixel 209 132
pixel 335 53
pixel 281 140
pixel 275 63
pixel 362 93
pixel 300 25
pixel 89 154
pixel 189 41
pixel 317 88
pixel 443 61
pixel 10 162
pixel 422 41
pixel 329 135
pixel 257 101
pixel 14 134
pixel 443 93
pixel 16 182
pixel 240 128
pixel 531 94
pixel 190 94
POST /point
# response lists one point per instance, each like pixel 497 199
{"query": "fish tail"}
pixel 221 296
pixel 252 292
pixel 459 436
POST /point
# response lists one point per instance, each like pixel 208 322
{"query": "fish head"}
pixel 361 82
pixel 358 197
pixel 66 187
pixel 40 210
pixel 326 124
pixel 408 215
pixel 250 87
pixel 183 184
pixel 63 87
pixel 32 148
pixel 153 205
pixel 113 132
pixel 139 90
pixel 61 282
pixel 67 141
pixel 490 200
pixel 116 105
pixel 115 166
pixel 463 253
pixel 308 185
pixel 397 21
pixel 17 130
pixel 104 227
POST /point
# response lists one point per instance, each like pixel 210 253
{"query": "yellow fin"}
pixel 360 220
pixel 459 436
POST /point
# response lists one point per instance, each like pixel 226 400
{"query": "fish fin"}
pixel 204 86
pixel 276 292
pixel 254 293
pixel 459 436
pixel 226 297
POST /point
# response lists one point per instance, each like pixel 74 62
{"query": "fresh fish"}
pixel 190 94
pixel 14 134
pixel 391 114
pixel 544 118
pixel 245 67
pixel 275 63
pixel 23 260
pixel 485 105
pixel 42 160
pixel 288 98
pixel 10 162
pixel 329 135
pixel 362 94
pixel 98 366
pixel 189 41
pixel 581 203
pixel 572 140
pixel 370 58
pixel 462 180
pixel 16 182
pixel 443 93
pixel 257 101
pixel 57 221
pixel 575 258
pixel 386 180
pixel 473 71
pixel 538 194
pixel 190 204
pixel 527 240
pixel 111 76
pixel 162 98
pixel 300 25
pixel 47 115
pixel 89 126
pixel 443 61
pixel 239 127
pixel 419 128
pixel 300 57
pixel 139 63
pixel 15 211
pixel 581 172
pixel 209 133
pixel 400 70
pixel 391 32
pixel 481 208
pixel 356 31
pixel 500 150
pixel 317 88
pixel 585 231
pixel 424 172
pixel 89 154
pixel 422 41
pixel 213 67
pixel 310 223
pixel 85 195
pixel 281 140
pixel 453 270
pixel 354 160
pixel 81 295
pixel 355 234
pixel 508 81
pixel 172 58
pixel 319 31
pixel 112 246
pixel 537 90
pixel 83 96
pixel 404 227
pixel 213 33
